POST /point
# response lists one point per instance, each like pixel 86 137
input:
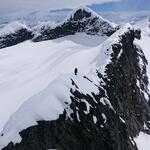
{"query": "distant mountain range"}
pixel 80 20
pixel 35 17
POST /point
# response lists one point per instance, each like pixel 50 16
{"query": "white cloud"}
pixel 14 5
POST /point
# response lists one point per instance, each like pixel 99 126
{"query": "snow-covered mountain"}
pixel 87 90
pixel 80 20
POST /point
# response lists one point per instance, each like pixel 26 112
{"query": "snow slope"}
pixel 142 141
pixel 46 67
pixel 27 68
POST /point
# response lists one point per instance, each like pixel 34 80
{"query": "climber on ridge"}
pixel 76 71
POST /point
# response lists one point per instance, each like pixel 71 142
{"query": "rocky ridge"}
pixel 107 118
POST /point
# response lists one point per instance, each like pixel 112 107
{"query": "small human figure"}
pixel 76 71
pixel 149 22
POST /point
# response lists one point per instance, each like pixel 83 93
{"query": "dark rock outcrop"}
pixel 116 114
pixel 19 35
pixel 81 20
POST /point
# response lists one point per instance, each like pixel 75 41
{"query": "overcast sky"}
pixel 17 5
pixel 7 6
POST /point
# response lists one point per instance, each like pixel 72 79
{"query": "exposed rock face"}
pixel 108 120
pixel 17 34
pixel 81 20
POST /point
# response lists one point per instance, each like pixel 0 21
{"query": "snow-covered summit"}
pixel 82 19
pixel 86 12
pixel 83 8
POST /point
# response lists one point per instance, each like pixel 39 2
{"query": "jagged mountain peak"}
pixel 84 12
pixel 80 20
pixel 83 20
